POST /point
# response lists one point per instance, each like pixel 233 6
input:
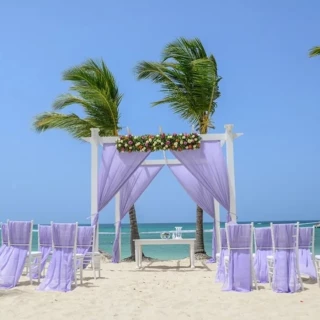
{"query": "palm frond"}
pixel 189 80
pixel 76 126
pixel 313 52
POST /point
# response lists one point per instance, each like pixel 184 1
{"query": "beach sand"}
pixel 162 290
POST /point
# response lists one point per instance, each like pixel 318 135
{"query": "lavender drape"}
pixel 239 277
pixel 208 165
pixel 220 275
pixel 199 194
pixel 285 261
pixel 85 242
pixel 61 268
pixel 305 258
pixel 13 258
pixel 45 247
pixel 4 237
pixel 263 241
pixel 130 193
pixel 116 168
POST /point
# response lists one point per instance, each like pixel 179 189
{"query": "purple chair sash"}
pixel 285 278
pixel 45 247
pixel 84 242
pixel 4 237
pixel 61 268
pixel 305 257
pixel 224 252
pixel 263 240
pixel 14 256
pixel 239 277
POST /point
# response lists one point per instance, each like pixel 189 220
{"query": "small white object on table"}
pixel 142 242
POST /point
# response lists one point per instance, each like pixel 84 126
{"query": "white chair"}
pixel 31 258
pixel 271 258
pixel 93 257
pixel 226 258
pixel 315 258
pixel 77 258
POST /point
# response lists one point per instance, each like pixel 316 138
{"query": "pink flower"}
pixel 168 143
pixel 130 142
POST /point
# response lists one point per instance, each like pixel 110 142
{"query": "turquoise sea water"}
pixel 153 231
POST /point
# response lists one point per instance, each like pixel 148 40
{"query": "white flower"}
pixel 194 147
pixel 138 144
pixel 136 137
pixel 150 140
pixel 183 137
pixel 157 135
pixel 176 144
pixel 162 143
pixel 169 137
pixel 192 136
pixel 130 147
pixel 181 142
pixel 126 145
pixel 189 140
pixel 195 139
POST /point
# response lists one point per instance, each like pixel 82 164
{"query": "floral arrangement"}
pixel 176 142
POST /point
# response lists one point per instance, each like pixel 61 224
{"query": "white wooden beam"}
pixel 117 220
pixel 230 164
pixel 217 225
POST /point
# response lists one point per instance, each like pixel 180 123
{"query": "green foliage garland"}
pixel 148 142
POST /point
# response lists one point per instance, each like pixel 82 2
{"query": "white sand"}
pixel 163 290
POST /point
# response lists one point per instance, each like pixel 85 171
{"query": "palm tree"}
pixel 190 84
pixel 315 51
pixel 94 88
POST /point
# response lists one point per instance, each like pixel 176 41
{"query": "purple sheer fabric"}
pixel 208 165
pixel 224 252
pixel 14 256
pixel 4 237
pixel 239 276
pixel 305 258
pixel 116 168
pixel 130 193
pixel 263 249
pixel 45 247
pixel 61 268
pixel 199 194
pixel 285 261
pixel 84 242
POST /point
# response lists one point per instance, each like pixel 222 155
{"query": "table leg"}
pixel 140 256
pixel 136 255
pixel 192 256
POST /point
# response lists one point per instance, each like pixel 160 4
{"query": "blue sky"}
pixel 270 92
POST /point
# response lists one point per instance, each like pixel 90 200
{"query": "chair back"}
pixel 85 238
pixel 239 236
pixel 285 236
pixel 20 234
pixel 4 234
pixel 44 236
pixel 223 239
pixel 64 236
pixel 263 238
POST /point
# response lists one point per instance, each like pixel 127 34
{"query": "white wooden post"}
pixel 117 220
pixel 230 164
pixel 95 140
pixel 217 225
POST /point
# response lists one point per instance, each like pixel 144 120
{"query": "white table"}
pixel 142 242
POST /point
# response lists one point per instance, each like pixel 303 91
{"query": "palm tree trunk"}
pixel 199 250
pixel 134 231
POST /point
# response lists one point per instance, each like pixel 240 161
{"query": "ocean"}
pixel 153 231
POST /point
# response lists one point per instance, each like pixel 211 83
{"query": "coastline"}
pixel 161 290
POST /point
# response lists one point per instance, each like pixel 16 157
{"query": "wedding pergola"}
pixel 100 200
